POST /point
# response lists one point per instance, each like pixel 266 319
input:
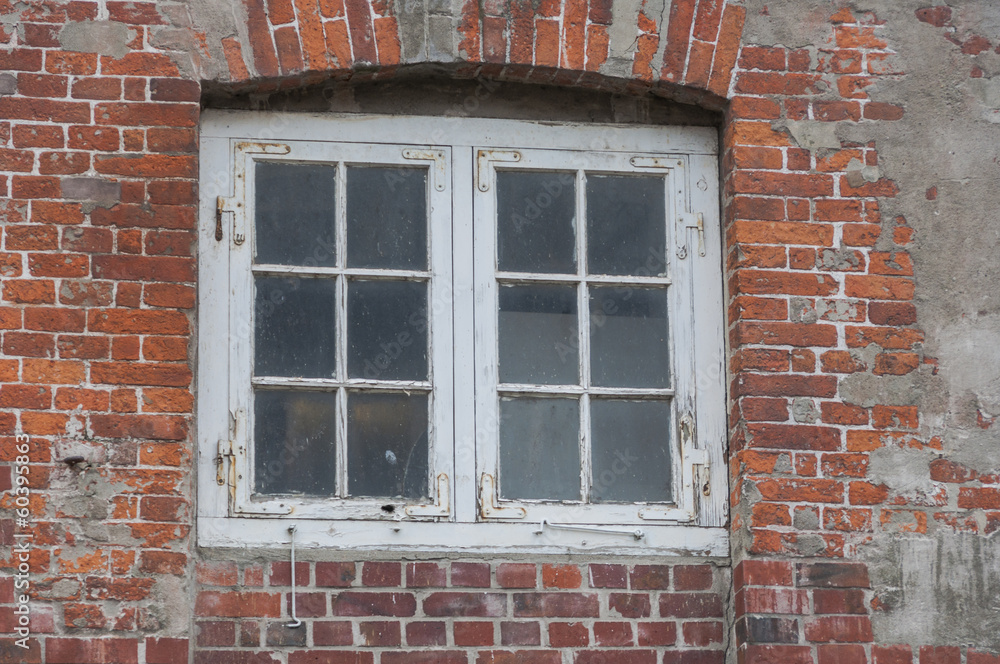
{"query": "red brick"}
pixel 351 603
pixel 238 604
pixel 335 574
pixel 840 629
pixel 329 633
pixel 702 634
pixel 690 605
pixel 561 576
pixel 474 633
pixel 516 575
pixel 520 634
pixel 615 657
pixel 426 633
pixel 832 575
pixel 657 633
pixel 629 605
pixel 613 634
pixel 565 605
pixel 425 575
pixel 381 574
pixel 801 490
pixel 650 577
pixel 470 575
pixel 216 573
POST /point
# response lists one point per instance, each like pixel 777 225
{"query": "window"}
pixel 428 332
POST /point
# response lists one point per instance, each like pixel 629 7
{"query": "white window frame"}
pixel 464 512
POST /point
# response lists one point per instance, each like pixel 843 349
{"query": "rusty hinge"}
pixel 441 507
pixel 483 160
pixel 488 508
pixel 224 204
pixel 225 451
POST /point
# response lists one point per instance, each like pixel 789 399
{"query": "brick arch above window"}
pixel 685 49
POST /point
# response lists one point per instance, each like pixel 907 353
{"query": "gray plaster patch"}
pixel 804 411
pixel 805 519
pixel 812 135
pixel 97 191
pixel 102 37
pixel 8 84
pixel 903 470
pixel 938 591
pixel 858 173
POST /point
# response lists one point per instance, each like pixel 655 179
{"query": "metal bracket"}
pixel 488 508
pixel 636 534
pixel 225 451
pixel 224 204
pixel 656 162
pixel 441 507
pixel 696 221
pixel 483 159
pixel 440 164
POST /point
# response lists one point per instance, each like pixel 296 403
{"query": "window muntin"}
pixel 579 336
pixel 342 414
pixel 456 497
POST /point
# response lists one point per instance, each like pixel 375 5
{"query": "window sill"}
pixel 478 538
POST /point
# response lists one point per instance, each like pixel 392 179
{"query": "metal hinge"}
pixel 441 507
pixel 224 204
pixel 488 508
pixel 225 451
pixel 483 160
pixel 440 164
pixel 688 221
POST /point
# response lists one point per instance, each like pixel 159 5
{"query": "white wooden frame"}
pixel 687 156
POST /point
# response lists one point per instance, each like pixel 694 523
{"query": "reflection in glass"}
pixel 387 329
pixel 629 337
pixel 536 222
pixel 294 214
pixel 630 451
pixel 294 331
pixel 387 217
pixel 539 448
pixel 538 335
pixel 626 225
pixel 387 444
pixel 294 442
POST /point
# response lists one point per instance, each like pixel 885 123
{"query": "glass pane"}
pixel 539 448
pixel 626 225
pixel 294 442
pixel 387 445
pixel 387 330
pixel 630 451
pixel 387 217
pixel 294 327
pixel 295 214
pixel 538 335
pixel 536 222
pixel 629 337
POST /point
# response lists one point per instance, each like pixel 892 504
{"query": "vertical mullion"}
pixel 341 318
pixel 583 323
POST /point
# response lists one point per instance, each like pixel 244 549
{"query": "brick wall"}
pixel 462 611
pixel 98 160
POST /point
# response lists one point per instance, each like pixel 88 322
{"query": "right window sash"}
pixel 584 325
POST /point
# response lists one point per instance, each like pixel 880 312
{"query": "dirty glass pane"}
pixel 387 445
pixel 294 442
pixel 294 330
pixel 539 448
pixel 387 217
pixel 294 214
pixel 629 337
pixel 626 225
pixel 387 330
pixel 536 222
pixel 538 335
pixel 630 451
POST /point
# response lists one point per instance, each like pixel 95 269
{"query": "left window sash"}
pixel 340 323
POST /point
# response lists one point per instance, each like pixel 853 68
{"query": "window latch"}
pixel 688 221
